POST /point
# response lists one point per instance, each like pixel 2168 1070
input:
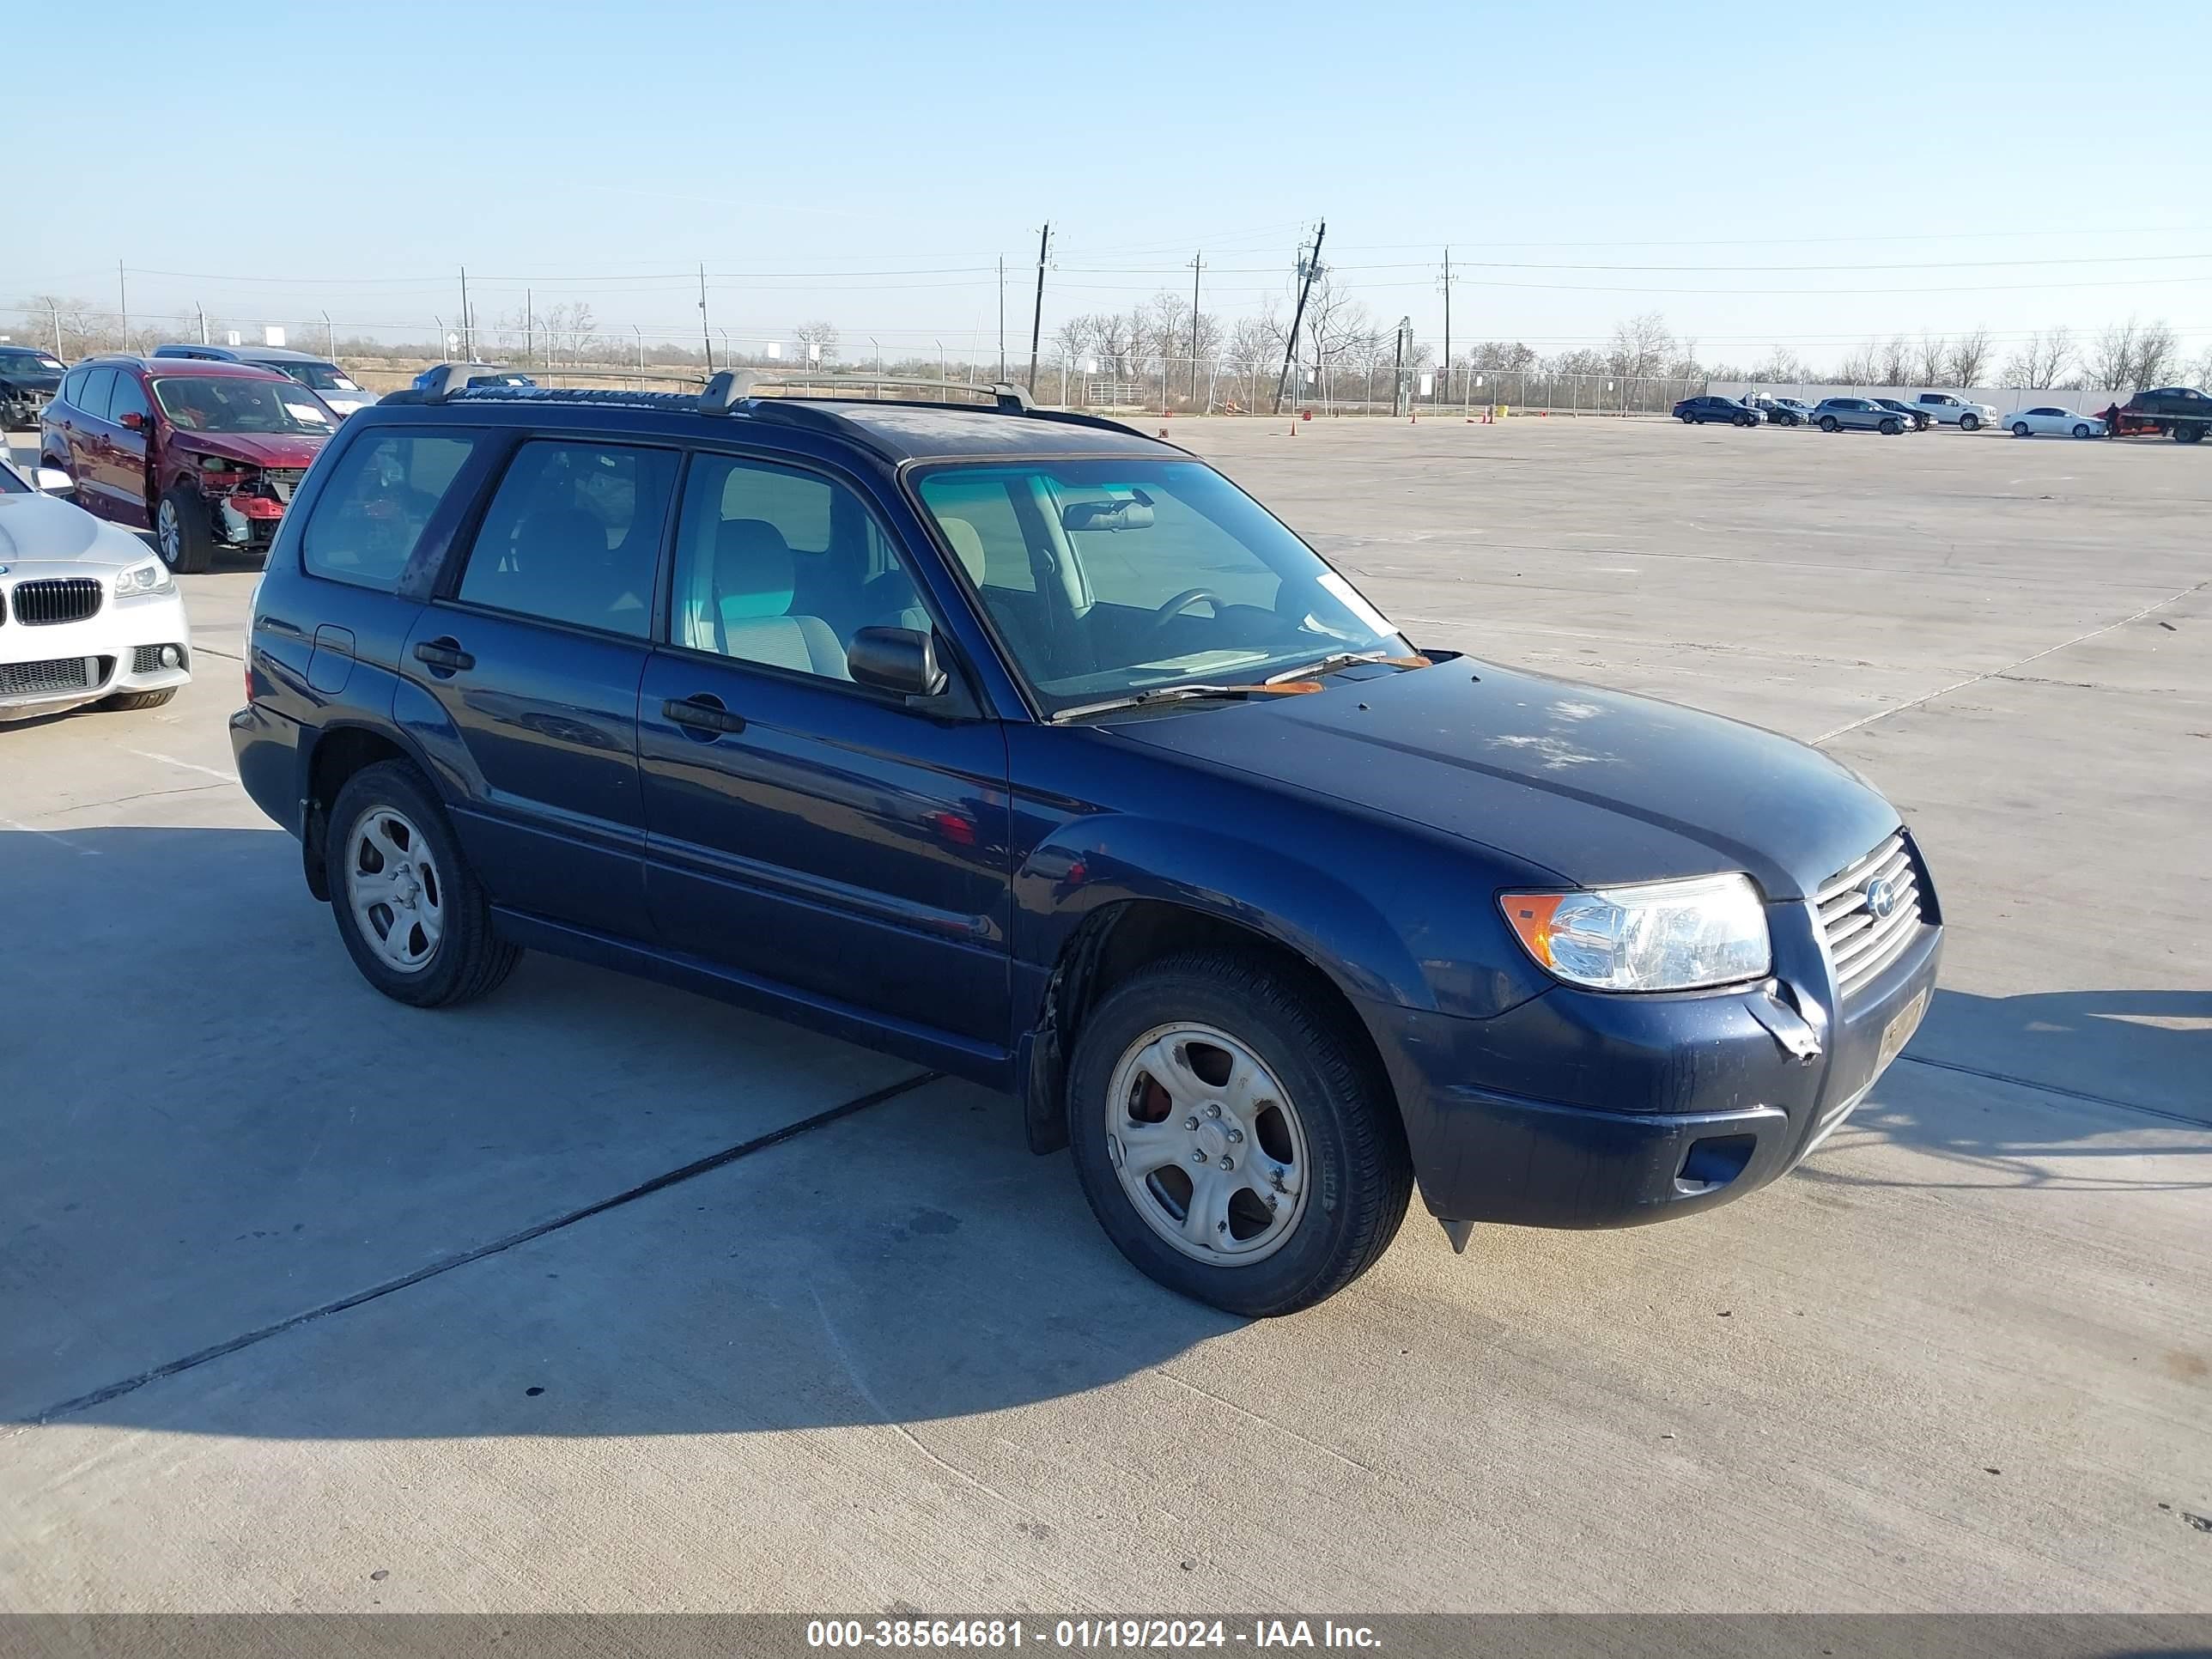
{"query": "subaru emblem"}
pixel 1882 898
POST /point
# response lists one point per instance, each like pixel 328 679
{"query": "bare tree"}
pixel 1862 366
pixel 2041 360
pixel 818 341
pixel 2111 361
pixel 1935 354
pixel 2158 356
pixel 1641 347
pixel 1780 366
pixel 1896 361
pixel 1968 358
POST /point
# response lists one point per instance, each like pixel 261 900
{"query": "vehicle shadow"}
pixel 2061 1091
pixel 241 1193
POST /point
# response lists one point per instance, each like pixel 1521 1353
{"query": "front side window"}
pixel 781 567
pixel 128 398
pixel 211 403
pixel 573 535
pixel 1143 574
pixel 372 513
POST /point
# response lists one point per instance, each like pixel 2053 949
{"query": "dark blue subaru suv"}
pixel 1032 750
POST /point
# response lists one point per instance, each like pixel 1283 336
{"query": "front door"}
pixel 123 461
pixel 531 657
pixel 809 832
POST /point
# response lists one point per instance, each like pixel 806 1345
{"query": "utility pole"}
pixel 1307 269
pixel 330 337
pixel 1445 391
pixel 468 330
pixel 201 310
pixel 122 299
pixel 54 317
pixel 1036 319
pixel 529 325
pixel 1002 318
pixel 705 334
pixel 1197 264
pixel 640 333
pixel 1398 379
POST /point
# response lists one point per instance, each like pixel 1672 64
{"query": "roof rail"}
pixel 731 386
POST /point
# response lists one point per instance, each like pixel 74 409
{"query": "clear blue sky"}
pixel 287 160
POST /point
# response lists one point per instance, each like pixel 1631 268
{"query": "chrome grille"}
pixel 28 679
pixel 68 599
pixel 1860 943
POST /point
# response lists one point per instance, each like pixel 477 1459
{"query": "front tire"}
pixel 182 535
pixel 414 919
pixel 1233 1136
pixel 1969 424
pixel 2019 430
pixel 1830 424
pixel 2080 431
pixel 121 702
pixel 1890 428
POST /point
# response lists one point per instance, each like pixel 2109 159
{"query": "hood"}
pixel 43 530
pixel 262 449
pixel 1602 787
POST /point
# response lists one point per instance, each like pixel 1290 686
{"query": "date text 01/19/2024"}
pixel 1161 1635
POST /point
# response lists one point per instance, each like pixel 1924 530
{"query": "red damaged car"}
pixel 205 455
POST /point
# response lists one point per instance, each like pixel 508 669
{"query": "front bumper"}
pixel 1600 1110
pixel 44 671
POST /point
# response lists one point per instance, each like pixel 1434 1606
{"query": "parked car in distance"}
pixel 1949 410
pixel 1783 411
pixel 1696 412
pixel 28 378
pixel 474 374
pixel 205 455
pixel 1033 750
pixel 87 614
pixel 319 375
pixel 2049 421
pixel 1855 415
pixel 1919 419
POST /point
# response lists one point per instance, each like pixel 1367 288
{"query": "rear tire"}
pixel 1969 424
pixel 2188 434
pixel 398 880
pixel 1273 1079
pixel 123 701
pixel 182 535
pixel 2019 430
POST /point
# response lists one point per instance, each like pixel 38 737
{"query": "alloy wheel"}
pixel 168 533
pixel 1207 1144
pixel 394 890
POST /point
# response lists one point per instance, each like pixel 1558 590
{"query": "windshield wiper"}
pixel 1327 664
pixel 1158 694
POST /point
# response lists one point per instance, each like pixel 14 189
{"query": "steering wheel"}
pixel 1176 607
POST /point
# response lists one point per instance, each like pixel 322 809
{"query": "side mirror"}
pixel 901 660
pixel 52 481
pixel 134 420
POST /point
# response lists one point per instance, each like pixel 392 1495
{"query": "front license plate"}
pixel 1898 1032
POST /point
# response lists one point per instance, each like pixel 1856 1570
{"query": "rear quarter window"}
pixel 386 489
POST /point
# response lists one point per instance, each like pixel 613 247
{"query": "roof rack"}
pixel 732 387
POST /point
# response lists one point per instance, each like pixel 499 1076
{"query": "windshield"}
pixel 28 362
pixel 11 481
pixel 1105 578
pixel 322 377
pixel 206 403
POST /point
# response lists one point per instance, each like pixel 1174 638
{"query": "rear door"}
pixel 523 671
pixel 88 443
pixel 804 830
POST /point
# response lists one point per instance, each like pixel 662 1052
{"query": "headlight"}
pixel 151 577
pixel 1663 936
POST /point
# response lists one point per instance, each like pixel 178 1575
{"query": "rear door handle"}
pixel 702 712
pixel 444 654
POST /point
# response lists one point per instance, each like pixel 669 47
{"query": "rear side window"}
pixel 377 504
pixel 573 535
pixel 72 392
pixel 93 394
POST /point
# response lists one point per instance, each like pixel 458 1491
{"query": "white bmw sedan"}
pixel 2051 422
pixel 88 614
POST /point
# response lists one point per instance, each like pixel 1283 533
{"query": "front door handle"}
pixel 444 654
pixel 701 713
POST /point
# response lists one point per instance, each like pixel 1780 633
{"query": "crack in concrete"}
pixel 461 1259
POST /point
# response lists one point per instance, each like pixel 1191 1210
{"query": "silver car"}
pixel 1856 415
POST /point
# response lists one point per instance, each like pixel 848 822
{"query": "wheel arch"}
pixel 341 750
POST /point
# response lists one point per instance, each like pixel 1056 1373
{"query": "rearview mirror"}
pixel 52 481
pixel 901 660
pixel 1122 513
